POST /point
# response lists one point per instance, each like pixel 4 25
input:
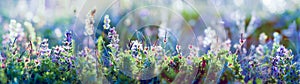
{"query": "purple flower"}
pixel 72 57
pixel 44 50
pixel 68 36
pixel 281 51
pixel 54 60
pixel 112 33
pixel 68 41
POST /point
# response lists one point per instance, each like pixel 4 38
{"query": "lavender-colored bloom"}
pixel 114 38
pixel 135 48
pixel 44 50
pixel 57 50
pixel 281 51
pixel 112 34
pixel 84 52
pixel 54 60
pixel 68 41
pixel 189 61
pixel 70 65
pixel 72 58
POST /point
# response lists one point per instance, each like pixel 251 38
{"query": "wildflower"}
pixel 26 60
pixel 37 62
pixel 227 44
pixel 111 64
pixel 15 33
pixel 68 36
pixel 180 57
pixel 106 22
pixel 136 47
pixel 157 50
pixel 262 38
pixel 178 48
pixel 58 33
pixel 275 60
pixel 260 50
pixel 172 63
pixel 165 40
pixel 193 50
pixel 242 40
pixel 114 38
pixel 44 50
pixel 19 60
pixel 84 52
pixel 54 60
pixel 2 57
pixel 189 60
pixel 277 37
pixel 72 57
pixel 165 58
pixel 145 52
pixel 16 30
pixel 3 65
pixel 68 41
pixel 203 62
pixel 89 23
pixel 281 51
pixel 70 65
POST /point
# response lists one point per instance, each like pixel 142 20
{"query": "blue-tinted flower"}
pixel 54 60
pixel 277 37
pixel 106 22
pixel 281 51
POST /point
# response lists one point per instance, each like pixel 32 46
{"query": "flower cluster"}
pixel 136 47
pixel 32 61
pixel 44 50
pixel 15 33
pixel 114 37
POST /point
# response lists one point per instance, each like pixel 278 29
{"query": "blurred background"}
pixel 185 20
